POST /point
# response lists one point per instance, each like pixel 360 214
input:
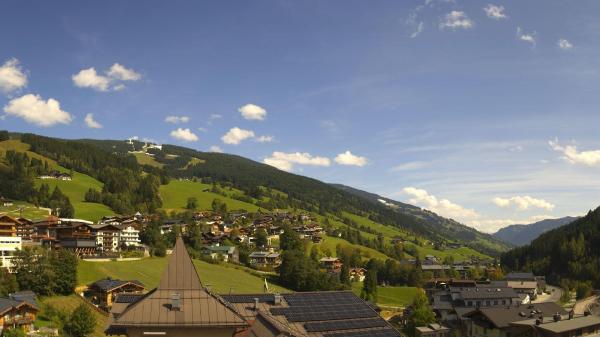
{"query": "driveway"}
pixel 554 296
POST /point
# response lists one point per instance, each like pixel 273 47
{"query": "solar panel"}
pixel 307 314
pixel 370 333
pixel 262 298
pixel 344 324
pixel 312 299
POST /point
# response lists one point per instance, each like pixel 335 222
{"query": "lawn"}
pixel 221 278
pixel 390 296
pixel 67 304
pixel 145 159
pixel 29 211
pixel 330 242
pixel 75 190
pixel 176 192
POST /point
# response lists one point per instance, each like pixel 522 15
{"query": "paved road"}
pixel 554 296
pixel 582 305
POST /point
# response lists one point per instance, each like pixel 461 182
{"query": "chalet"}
pixel 5 202
pixel 317 239
pixel 511 320
pixel 8 225
pixel 265 259
pixel 107 238
pixel 432 330
pixel 222 253
pixel 331 264
pixel 103 292
pixel 357 274
pixel 26 229
pixel 56 175
pixel 169 225
pixel 18 312
pixel 129 234
pixel 179 306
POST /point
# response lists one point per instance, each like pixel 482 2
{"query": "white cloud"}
pixel 523 203
pixel 526 37
pixel 89 78
pixel 264 139
pixel 112 80
pixel 286 161
pixel 587 158
pixel 418 29
pixel 33 109
pixel 494 12
pixel 119 72
pixel 215 149
pixel 564 44
pixel 185 135
pixel 347 158
pixel 12 77
pixel 91 123
pixel 236 135
pixel 493 225
pixel 253 112
pixel 410 166
pixel 456 20
pixel 443 207
pixel 177 119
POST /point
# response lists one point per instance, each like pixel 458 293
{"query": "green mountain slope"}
pixel 519 235
pixel 150 183
pixel 568 252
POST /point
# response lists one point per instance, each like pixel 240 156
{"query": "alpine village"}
pixel 130 238
pixel 299 168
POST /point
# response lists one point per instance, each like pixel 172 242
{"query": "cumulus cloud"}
pixel 286 161
pixel 443 207
pixel 12 77
pixel 347 158
pixel 177 119
pixel 526 37
pixel 456 20
pixel 33 109
pixel 119 72
pixel 493 225
pixel 253 112
pixel 494 12
pixel 185 135
pixel 236 135
pixel 570 153
pixel 523 203
pixel 564 44
pixel 264 139
pixel 111 80
pixel 91 123
pixel 215 149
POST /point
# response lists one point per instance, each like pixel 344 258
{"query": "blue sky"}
pixel 482 111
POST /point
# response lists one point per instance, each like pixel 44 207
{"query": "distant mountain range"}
pixel 520 235
pixel 443 227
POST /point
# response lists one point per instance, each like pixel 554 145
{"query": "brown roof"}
pixel 501 317
pixel 198 307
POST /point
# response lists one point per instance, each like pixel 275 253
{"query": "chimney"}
pixel 538 321
pixel 175 302
pixel 256 303
pixel 277 299
pixel 557 317
pixel 586 313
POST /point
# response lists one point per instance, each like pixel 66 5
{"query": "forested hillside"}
pixel 571 252
pixel 132 182
pixel 519 235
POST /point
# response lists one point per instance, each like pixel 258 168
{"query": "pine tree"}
pixel 369 290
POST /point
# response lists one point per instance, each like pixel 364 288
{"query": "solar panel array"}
pixel 308 299
pixel 262 298
pixel 371 333
pixel 307 314
pixel 344 325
